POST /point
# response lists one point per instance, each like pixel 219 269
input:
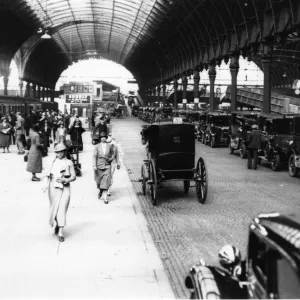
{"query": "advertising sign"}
pixel 73 98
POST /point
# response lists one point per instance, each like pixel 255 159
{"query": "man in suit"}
pixel 46 135
pixel 253 144
pixel 20 132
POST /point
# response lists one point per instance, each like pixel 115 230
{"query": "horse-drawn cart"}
pixel 171 157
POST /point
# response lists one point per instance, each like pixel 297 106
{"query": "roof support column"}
pixel 196 89
pixel 43 93
pixel 27 92
pixel 184 81
pixel 164 88
pixel 212 77
pixel 21 87
pixel 158 94
pixel 5 82
pixel 34 90
pixel 175 84
pixel 234 70
pixel 52 95
pixel 267 62
pixel 38 92
pixel 153 96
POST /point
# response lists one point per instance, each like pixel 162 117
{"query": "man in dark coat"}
pixel 45 134
pixel 253 144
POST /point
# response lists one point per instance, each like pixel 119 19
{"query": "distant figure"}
pixel 253 144
pixel 20 133
pixel 35 155
pixel 5 129
pixel 76 131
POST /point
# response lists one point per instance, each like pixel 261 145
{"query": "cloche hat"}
pixel 60 147
pixel 103 134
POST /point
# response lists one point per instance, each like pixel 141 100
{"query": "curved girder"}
pixel 159 39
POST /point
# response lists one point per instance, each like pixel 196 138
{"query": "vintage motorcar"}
pixel 271 269
pixel 201 127
pixel 217 130
pixel 135 110
pixel 282 144
pixel 141 112
pixel 171 157
pixel 239 130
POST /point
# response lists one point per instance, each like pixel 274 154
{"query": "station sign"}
pixel 78 98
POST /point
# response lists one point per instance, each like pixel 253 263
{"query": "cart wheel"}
pixel 293 170
pixel 153 186
pixel 201 181
pixel 275 162
pixel 143 175
pixel 186 184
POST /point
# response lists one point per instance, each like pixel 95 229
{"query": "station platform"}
pixel 108 251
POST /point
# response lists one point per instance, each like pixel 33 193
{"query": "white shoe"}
pixel 106 201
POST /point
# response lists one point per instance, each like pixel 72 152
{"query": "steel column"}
pixel 234 69
pixel 212 77
pixel 196 89
pixel 266 62
pixel 158 89
pixel 175 84
pixel 164 88
pixel 21 87
pixel 184 81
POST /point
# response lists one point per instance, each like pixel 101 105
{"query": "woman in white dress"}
pixel 58 176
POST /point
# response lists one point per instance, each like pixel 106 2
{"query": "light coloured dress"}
pixel 59 194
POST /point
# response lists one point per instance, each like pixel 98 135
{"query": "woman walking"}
pixel 35 155
pixel 58 176
pixel 76 131
pixel 102 158
pixel 5 131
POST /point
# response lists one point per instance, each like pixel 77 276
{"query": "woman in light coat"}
pixel 35 155
pixel 58 175
pixel 102 157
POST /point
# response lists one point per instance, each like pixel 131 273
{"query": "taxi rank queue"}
pixel 280 134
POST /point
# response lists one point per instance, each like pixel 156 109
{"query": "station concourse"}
pixel 130 248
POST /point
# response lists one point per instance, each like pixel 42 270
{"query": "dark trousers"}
pixel 252 154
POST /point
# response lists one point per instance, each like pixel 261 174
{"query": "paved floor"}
pixel 184 230
pixel 108 252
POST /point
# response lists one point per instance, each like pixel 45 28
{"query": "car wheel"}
pixel 275 162
pixel 231 150
pixel 293 170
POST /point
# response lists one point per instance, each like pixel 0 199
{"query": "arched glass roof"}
pixel 93 28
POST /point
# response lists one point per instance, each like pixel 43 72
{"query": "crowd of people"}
pixel 34 133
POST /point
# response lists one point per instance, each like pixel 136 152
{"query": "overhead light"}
pixel 46 36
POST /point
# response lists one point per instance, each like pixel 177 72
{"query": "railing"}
pixel 254 97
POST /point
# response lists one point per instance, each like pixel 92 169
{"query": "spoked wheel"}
pixel 153 183
pixel 275 162
pixel 293 170
pixel 143 176
pixel 186 184
pixel 201 181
